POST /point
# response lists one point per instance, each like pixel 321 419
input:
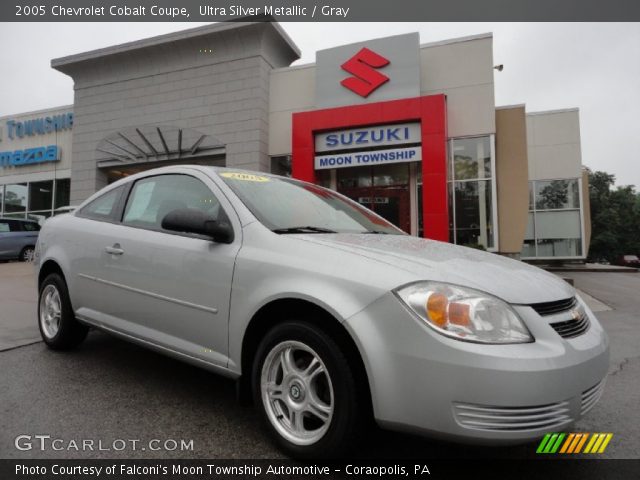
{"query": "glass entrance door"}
pixel 383 189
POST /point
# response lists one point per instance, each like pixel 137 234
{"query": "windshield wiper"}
pixel 303 229
pixel 377 232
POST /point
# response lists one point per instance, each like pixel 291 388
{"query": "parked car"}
pixel 628 261
pixel 323 311
pixel 18 239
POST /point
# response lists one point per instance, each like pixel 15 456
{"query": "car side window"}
pixel 4 227
pixel 30 227
pixel 14 226
pixel 103 207
pixel 152 198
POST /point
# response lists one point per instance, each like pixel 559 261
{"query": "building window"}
pixel 281 165
pixel 40 195
pixel 554 226
pixel 63 193
pixel 15 199
pixel 34 200
pixel 472 192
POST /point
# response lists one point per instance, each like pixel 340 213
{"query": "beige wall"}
pixel 586 211
pixel 463 70
pixel 460 68
pixel 290 90
pixel 554 145
pixel 43 171
pixel 511 177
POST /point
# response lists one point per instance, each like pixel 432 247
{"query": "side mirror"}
pixel 191 220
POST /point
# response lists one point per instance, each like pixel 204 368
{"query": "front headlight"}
pixel 464 314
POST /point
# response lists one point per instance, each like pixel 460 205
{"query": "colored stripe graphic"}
pixel 555 447
pixel 582 440
pixel 550 443
pixel 567 442
pixel 607 439
pixel 574 442
pixel 543 443
pixel 592 442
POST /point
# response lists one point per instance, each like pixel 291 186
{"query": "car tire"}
pixel 306 391
pixel 27 254
pixel 58 326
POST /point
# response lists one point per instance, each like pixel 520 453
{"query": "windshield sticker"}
pixel 247 177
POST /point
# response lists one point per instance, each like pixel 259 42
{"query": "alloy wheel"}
pixel 50 311
pixel 297 392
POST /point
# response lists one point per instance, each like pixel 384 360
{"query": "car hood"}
pixel 511 280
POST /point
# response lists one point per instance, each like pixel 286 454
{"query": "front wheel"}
pixel 58 326
pixel 306 390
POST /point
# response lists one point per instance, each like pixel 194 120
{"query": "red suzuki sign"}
pixel 366 78
pixel 429 112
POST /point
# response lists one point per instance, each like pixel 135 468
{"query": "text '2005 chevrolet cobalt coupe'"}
pixel 323 310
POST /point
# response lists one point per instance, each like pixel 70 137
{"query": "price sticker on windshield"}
pixel 246 177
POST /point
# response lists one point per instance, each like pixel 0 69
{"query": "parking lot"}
pixel 109 389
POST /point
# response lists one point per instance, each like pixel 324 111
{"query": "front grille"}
pixel 512 419
pixel 591 396
pixel 572 328
pixel 553 308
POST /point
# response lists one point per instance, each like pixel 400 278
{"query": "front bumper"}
pixel 427 383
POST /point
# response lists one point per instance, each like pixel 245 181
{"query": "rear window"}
pixel 30 227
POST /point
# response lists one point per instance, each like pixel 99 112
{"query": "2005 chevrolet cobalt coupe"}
pixel 323 310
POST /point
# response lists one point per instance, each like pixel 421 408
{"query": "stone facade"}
pixel 174 80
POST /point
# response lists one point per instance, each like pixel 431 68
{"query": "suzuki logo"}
pixel 365 78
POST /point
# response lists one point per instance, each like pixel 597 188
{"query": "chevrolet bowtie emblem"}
pixel 363 67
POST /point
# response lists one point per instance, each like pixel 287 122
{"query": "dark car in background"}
pixel 18 239
pixel 628 261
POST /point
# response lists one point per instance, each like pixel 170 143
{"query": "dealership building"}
pixel 409 130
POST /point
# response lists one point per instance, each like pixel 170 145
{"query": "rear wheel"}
pixel 58 326
pixel 306 390
pixel 27 254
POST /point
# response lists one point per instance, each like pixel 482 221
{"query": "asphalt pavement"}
pixel 112 393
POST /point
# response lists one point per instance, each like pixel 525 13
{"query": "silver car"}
pixel 323 311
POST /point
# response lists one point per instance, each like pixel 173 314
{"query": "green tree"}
pixel 615 218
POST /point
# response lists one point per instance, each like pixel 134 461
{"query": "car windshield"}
pixel 289 206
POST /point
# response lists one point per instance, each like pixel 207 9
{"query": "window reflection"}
pixel 554 225
pixel 473 213
pixel 471 192
pixel 557 194
pixel 15 198
pixel 471 158
pixel 34 199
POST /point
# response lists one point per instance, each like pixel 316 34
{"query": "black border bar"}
pixel 319 10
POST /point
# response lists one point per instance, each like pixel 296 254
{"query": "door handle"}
pixel 115 250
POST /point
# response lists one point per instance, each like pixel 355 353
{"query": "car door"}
pixel 13 238
pixel 86 234
pixel 168 288
pixel 6 239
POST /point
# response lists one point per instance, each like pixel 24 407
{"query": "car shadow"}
pixel 157 393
